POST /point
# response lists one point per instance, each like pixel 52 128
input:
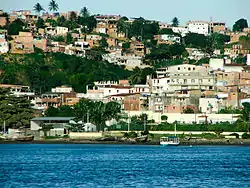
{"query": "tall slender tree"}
pixel 53 6
pixel 175 22
pixel 38 8
pixel 85 12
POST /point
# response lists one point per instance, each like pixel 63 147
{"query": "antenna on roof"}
pixel 211 24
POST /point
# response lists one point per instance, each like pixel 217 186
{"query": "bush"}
pixel 208 135
pixel 245 136
pixel 145 132
pixel 235 134
pixel 132 135
pixel 164 118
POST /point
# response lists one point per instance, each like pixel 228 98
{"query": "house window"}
pixel 189 69
pixel 109 91
pixel 210 87
pixel 117 91
pixel 193 68
pixel 179 68
pixel 192 81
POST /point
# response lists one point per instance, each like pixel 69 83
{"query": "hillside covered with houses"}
pixel 57 60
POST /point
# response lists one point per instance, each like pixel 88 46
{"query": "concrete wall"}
pixel 35 125
pixel 85 135
pixel 187 118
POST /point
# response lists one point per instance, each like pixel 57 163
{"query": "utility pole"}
pixel 4 127
pixel 128 123
pixel 88 116
pixel 144 122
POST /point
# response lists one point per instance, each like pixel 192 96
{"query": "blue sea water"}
pixel 68 165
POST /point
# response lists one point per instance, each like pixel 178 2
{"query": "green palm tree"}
pixel 53 6
pixel 38 8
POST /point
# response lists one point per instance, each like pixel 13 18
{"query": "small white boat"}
pixel 169 141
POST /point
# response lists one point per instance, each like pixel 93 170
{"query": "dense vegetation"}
pixel 42 71
pixel 86 110
pixel 16 112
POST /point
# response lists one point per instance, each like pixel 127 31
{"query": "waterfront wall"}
pixel 85 135
pixel 187 118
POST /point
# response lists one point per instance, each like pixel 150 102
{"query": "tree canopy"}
pixel 175 22
pixel 15 27
pixel 46 70
pixel 95 112
pixel 15 111
pixel 240 25
pixel 53 6
pixel 38 8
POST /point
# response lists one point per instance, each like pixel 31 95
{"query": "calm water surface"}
pixel 34 165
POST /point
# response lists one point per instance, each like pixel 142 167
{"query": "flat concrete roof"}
pixel 52 118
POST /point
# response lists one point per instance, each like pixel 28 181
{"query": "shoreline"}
pixel 234 142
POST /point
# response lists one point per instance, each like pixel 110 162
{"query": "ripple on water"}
pixel 24 165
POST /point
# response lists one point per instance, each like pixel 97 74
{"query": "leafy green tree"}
pixel 15 27
pixel 136 29
pixel 175 22
pixel 240 25
pixel 52 22
pixel 84 12
pixel 69 38
pixel 51 112
pixel 135 78
pixel 40 23
pixel 16 111
pixel 58 38
pixel 43 71
pixel 53 6
pixel 240 59
pixel 123 26
pixel 103 43
pixel 61 21
pixel 246 112
pixel 195 40
pixel 97 112
pixel 164 117
pixel 38 8
pixel 46 128
pixel 167 31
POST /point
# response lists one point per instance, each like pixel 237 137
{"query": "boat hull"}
pixel 24 138
pixel 169 144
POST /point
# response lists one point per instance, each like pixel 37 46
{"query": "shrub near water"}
pixel 219 127
pixel 245 136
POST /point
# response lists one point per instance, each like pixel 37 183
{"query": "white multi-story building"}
pixel 181 77
pixel 181 30
pixel 4 47
pixel 209 105
pixel 61 30
pixel 130 61
pixel 224 65
pixel 200 27
pixel 171 38
pixel 62 89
